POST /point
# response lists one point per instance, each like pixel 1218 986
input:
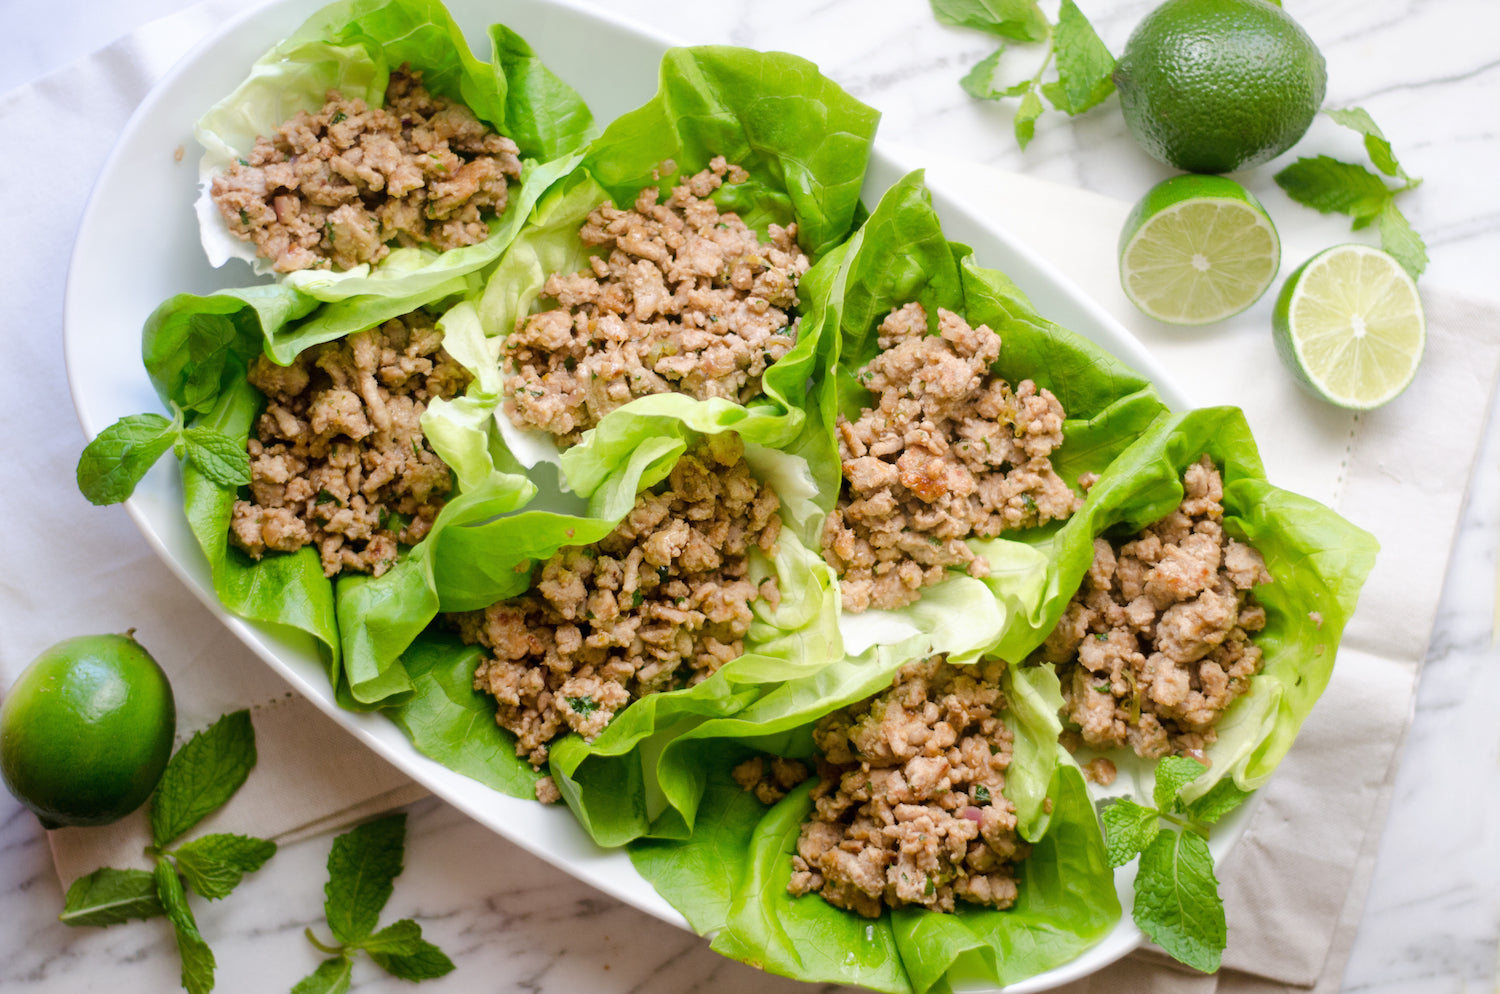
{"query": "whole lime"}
pixel 1212 86
pixel 86 730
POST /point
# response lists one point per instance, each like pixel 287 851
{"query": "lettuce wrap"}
pixel 478 564
pixel 353 46
pixel 729 877
pixel 899 256
pixel 198 351
pixel 805 144
pixel 1317 560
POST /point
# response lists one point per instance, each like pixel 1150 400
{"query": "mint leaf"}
pixel 1177 899
pixel 1222 798
pixel 979 82
pixel 214 865
pixel 219 457
pixel 1128 828
pixel 403 938
pixel 1401 240
pixel 202 775
pixel 1084 65
pixel 1330 186
pixel 424 962
pixel 109 896
pixel 1018 20
pixel 1172 774
pixel 114 462
pixel 362 866
pixel 1376 146
pixel 197 958
pixel 331 977
pixel 1026 115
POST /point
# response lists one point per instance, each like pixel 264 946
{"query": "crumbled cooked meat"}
pixel 909 810
pixel 1100 770
pixel 547 792
pixel 337 187
pixel 338 459
pixel 769 781
pixel 681 299
pixel 949 452
pixel 1156 643
pixel 661 602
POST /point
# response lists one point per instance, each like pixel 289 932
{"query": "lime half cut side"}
pixel 1197 249
pixel 1349 325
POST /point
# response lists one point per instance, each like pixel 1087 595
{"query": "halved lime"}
pixel 1197 249
pixel 1349 325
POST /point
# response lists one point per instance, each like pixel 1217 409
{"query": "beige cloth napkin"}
pixel 1295 884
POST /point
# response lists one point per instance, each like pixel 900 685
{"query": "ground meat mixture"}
pixel 908 810
pixel 338 459
pixel 680 298
pixel 1156 643
pixel 769 779
pixel 660 603
pixel 949 452
pixel 335 188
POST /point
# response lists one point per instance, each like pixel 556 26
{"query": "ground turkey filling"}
pixel 337 187
pixel 1156 643
pixel 661 602
pixel 338 459
pixel 949 452
pixel 680 298
pixel 908 809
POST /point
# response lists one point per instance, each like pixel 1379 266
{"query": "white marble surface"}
pixel 1429 72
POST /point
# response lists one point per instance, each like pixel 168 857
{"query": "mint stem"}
pixel 330 950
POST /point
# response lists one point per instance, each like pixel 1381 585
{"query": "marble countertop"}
pixel 1429 73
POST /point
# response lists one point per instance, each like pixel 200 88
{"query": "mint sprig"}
pixel 1177 901
pixel 200 777
pixel 1331 186
pixel 362 868
pixel 1084 66
pixel 115 461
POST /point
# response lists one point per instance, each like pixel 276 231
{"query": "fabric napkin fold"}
pixel 1294 885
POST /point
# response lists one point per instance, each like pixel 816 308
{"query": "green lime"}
pixel 1211 86
pixel 1197 249
pixel 86 730
pixel 1349 325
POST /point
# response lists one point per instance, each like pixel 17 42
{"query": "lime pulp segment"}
pixel 1200 260
pixel 1355 326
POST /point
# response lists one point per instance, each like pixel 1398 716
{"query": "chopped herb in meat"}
pixel 339 187
pixel 338 456
pixel 646 317
pixel 661 602
pixel 893 824
pixel 918 481
pixel 1171 614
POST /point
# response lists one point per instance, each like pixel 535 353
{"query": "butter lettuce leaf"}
pixel 1318 562
pixel 197 351
pixel 729 879
pixel 901 255
pixel 353 46
pixel 805 144
pixel 631 775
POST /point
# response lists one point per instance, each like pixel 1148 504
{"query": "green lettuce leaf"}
pixel 1317 560
pixel 353 46
pixel 197 351
pixel 729 877
pixel 805 144
pixel 901 255
pixel 630 775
